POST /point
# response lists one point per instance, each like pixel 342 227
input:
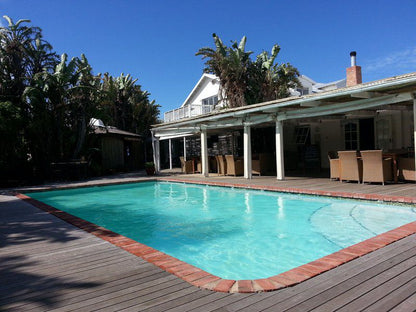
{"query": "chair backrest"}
pixel 374 157
pixel 229 159
pixel 347 156
pixel 349 169
pixel 230 164
pixel 221 164
pixel 372 166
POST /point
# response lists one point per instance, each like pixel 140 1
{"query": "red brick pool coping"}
pixel 205 280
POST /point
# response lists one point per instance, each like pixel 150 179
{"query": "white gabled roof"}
pixel 198 86
pixel 304 77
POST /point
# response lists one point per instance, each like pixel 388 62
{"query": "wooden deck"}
pixel 47 264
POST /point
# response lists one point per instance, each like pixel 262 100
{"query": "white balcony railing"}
pixel 187 111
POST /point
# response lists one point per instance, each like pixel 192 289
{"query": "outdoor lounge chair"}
pixel 187 166
pixel 235 167
pixel 221 165
pixel 375 168
pixel 351 168
pixel 333 165
pixel 406 168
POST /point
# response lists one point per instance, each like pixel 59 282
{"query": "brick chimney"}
pixel 354 72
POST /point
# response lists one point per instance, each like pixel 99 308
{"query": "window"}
pixel 302 135
pixel 213 100
pixel 351 136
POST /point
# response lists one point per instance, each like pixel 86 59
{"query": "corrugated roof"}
pixel 114 130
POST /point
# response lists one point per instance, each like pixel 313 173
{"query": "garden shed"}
pixel 118 150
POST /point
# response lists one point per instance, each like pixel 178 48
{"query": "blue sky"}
pixel 156 41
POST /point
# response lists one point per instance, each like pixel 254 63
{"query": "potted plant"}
pixel 150 168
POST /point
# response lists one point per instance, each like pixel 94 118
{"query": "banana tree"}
pixel 230 64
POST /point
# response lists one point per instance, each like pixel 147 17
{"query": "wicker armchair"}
pixel 375 168
pixel 351 168
pixel 187 166
pixel 333 165
pixel 235 167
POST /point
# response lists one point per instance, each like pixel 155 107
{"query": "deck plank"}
pixel 139 291
pixel 356 288
pixel 225 302
pixel 408 304
pixel 198 303
pixel 313 289
pixel 104 286
pixel 132 302
pixel 395 298
pixel 178 301
pixel 370 297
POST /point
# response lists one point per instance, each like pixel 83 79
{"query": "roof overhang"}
pixel 384 93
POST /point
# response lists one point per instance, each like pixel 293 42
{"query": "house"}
pixel 205 96
pixel 359 116
pixel 202 99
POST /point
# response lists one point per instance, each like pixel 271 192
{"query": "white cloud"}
pixel 396 63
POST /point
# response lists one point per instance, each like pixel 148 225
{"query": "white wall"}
pixel 331 139
pixel 406 124
pixel 401 128
pixel 207 89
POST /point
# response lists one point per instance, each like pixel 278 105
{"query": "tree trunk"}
pixel 82 130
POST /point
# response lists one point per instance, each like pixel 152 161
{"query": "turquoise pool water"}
pixel 231 233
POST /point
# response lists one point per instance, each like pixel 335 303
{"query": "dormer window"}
pixel 212 101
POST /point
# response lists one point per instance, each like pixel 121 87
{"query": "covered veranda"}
pixel 393 97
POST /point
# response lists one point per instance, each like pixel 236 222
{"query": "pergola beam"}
pixel 344 107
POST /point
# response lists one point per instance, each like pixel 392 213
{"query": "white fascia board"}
pixel 174 136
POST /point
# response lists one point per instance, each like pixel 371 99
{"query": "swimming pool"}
pixel 232 233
